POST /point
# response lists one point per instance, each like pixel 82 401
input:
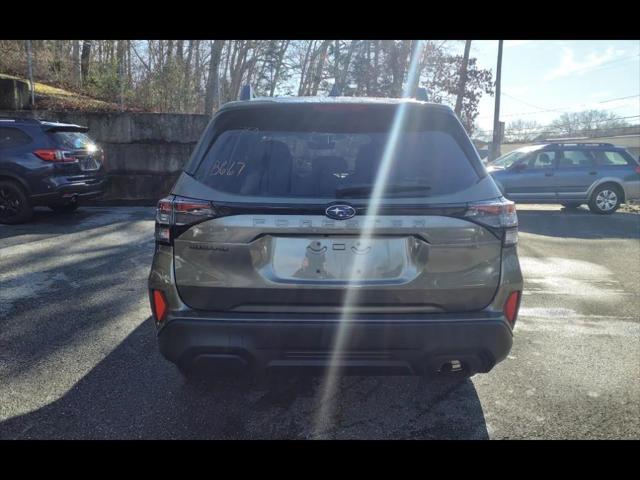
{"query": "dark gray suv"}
pixel 335 232
pixel 46 163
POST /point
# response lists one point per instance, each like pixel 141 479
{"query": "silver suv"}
pixel 335 232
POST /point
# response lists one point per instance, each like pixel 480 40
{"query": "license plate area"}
pixel 339 259
pixel 89 164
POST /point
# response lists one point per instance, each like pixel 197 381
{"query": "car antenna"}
pixel 421 94
pixel 247 93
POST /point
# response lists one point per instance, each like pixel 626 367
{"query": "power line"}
pixel 619 98
pixel 550 128
pixel 521 101
pixel 555 127
pixel 599 67
pixel 561 109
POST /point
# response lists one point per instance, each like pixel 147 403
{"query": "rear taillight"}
pixel 498 215
pixel 638 170
pixel 159 305
pixel 511 307
pixel 187 211
pixel 55 155
pixel 175 214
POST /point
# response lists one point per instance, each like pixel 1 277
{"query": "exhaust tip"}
pixel 452 366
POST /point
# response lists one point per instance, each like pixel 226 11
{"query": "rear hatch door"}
pixel 302 219
pixel 89 156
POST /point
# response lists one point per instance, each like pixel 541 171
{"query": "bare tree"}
pixel 211 95
pixel 398 53
pixel 196 76
pixel 341 78
pixel 304 68
pixel 75 58
pixel 278 66
pixel 575 122
pixel 319 68
pixel 522 130
pixel 85 57
pixel 463 78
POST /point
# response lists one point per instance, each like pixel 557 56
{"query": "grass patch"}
pixel 54 98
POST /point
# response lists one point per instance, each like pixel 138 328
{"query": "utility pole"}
pixel 463 79
pixel 495 144
pixel 121 80
pixel 32 88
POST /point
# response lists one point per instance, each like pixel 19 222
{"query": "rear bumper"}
pixel 412 345
pixel 86 189
pixel 632 190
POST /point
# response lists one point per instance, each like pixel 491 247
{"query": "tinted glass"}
pixel 507 160
pixel 314 161
pixel 609 158
pixel 545 159
pixel 13 137
pixel 576 159
pixel 510 158
pixel 73 140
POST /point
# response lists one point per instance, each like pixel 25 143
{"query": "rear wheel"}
pixel 15 206
pixel 65 208
pixel 605 199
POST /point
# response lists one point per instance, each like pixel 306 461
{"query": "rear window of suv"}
pixel 73 140
pixel 13 137
pixel 609 158
pixel 334 151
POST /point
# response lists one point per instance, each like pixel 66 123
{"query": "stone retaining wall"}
pixel 144 152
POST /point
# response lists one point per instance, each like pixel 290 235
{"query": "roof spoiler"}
pixel 47 125
pixel 63 127
pixel 19 119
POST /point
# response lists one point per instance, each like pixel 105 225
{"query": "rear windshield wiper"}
pixel 365 190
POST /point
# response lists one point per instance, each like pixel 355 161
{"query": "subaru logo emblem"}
pixel 340 212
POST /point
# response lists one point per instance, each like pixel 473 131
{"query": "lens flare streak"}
pixel 329 386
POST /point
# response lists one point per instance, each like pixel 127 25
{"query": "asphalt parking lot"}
pixel 78 357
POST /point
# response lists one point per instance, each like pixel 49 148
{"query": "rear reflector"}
pixel 163 234
pixel 159 306
pixel 510 236
pixel 511 307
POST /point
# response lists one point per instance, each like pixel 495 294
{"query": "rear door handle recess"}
pixel 548 174
pixel 593 173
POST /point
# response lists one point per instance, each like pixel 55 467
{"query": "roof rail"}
pixel 581 144
pixel 247 92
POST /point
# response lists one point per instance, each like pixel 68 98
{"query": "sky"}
pixel 560 75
